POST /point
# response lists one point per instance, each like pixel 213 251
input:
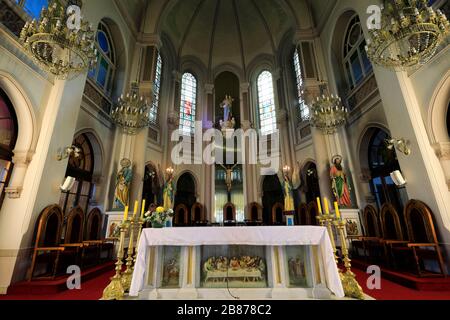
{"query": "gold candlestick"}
pixel 115 291
pixel 326 220
pixel 352 288
pixel 128 274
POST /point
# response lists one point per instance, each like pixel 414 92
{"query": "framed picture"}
pixel 352 227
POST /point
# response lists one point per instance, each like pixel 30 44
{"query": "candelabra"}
pixel 115 290
pixel 326 220
pixel 328 114
pixel 351 287
pixel 128 273
pixel 63 47
pixel 132 113
pixel 410 33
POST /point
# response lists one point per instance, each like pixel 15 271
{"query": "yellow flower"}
pixel 160 210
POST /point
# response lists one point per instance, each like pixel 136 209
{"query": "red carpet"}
pixel 393 291
pixel 93 289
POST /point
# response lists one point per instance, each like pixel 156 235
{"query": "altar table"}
pixel 274 251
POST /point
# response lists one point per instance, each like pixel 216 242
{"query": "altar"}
pixel 236 262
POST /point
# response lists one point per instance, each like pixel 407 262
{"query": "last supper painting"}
pixel 190 151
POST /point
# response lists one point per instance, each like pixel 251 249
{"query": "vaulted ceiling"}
pixel 226 31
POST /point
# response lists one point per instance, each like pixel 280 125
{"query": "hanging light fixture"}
pixel 411 32
pixel 328 114
pixel 132 112
pixel 60 41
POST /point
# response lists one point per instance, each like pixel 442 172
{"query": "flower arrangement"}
pixel 159 217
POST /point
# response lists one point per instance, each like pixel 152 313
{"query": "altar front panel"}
pixel 210 268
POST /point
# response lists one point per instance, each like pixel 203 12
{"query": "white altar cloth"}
pixel 254 236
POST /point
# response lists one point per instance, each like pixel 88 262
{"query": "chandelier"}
pixel 60 41
pixel 328 114
pixel 411 32
pixel 132 112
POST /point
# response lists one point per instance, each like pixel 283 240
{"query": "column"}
pixel 42 180
pixel 209 170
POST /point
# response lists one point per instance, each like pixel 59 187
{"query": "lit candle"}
pixel 136 205
pixel 327 207
pixel 336 208
pixel 125 215
pixel 319 205
pixel 143 209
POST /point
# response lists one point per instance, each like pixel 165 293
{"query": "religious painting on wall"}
pixel 297 267
pixel 171 269
pixel 352 227
pixel 233 267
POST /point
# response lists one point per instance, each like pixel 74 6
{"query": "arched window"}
pixel 266 103
pixel 357 65
pixel 303 110
pixel 104 71
pixel 156 90
pixel 382 162
pixel 8 138
pixel 33 7
pixel 188 104
pixel 81 168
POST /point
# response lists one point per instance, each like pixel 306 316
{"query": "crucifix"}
pixel 229 178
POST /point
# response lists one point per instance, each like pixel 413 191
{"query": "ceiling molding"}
pixel 213 36
pixel 241 42
pixel 129 21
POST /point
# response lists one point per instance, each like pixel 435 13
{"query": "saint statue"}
pixel 227 106
pixel 339 182
pixel 228 121
pixel 169 191
pixel 288 190
pixel 123 181
pixel 289 185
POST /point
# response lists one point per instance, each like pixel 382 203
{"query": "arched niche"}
pixel 26 136
pixel 186 190
pixel 439 124
pixel 227 83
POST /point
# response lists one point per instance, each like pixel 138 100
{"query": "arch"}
pixel 229 67
pixel 260 63
pixel 310 180
pixel 98 150
pixel 193 176
pixel 122 60
pixel 186 190
pixel 27 134
pixel 438 112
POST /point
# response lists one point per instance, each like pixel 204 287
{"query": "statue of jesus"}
pixel 229 176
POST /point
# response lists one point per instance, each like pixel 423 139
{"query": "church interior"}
pixel 214 149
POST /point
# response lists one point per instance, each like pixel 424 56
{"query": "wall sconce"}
pixel 401 145
pixel 68 152
pixel 398 179
pixel 68 184
pixel 286 170
pixel 170 171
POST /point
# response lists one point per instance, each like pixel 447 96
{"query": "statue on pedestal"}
pixel 339 183
pixel 169 190
pixel 228 121
pixel 289 185
pixel 123 181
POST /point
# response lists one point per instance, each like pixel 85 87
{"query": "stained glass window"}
pixel 103 73
pixel 303 109
pixel 356 63
pixel 266 103
pixel 188 104
pixel 33 7
pixel 156 90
